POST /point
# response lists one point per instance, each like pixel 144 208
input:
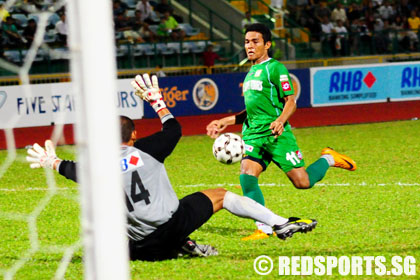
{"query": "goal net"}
pixel 39 212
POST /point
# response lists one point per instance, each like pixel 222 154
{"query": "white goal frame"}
pixel 93 70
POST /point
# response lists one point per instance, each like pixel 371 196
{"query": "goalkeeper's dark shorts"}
pixel 166 241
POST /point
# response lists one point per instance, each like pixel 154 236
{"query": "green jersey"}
pixel 264 89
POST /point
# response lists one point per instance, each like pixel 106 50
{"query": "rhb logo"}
pixel 410 77
pixel 350 81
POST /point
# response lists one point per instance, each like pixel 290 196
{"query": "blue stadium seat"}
pixel 122 50
pixel 59 53
pixel 130 3
pixel 130 13
pixel 199 47
pixel 12 55
pixel 21 19
pixel 40 55
pixel 163 48
pixel 154 28
pixel 33 16
pixel 176 47
pixel 143 49
pixel 50 36
pixel 188 29
pixel 53 19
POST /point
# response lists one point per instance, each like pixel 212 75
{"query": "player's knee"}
pixel 216 197
pixel 220 192
pixel 251 168
pixel 302 184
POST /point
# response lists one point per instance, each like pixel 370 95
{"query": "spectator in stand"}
pixel 168 27
pixel 377 3
pixel 370 21
pixel 124 25
pixel 339 13
pixel 398 32
pixel 365 36
pixel 328 37
pixel 159 72
pixel 248 20
pixel 341 39
pixel 354 39
pixel 386 11
pixel 380 37
pixel 403 8
pixel 413 25
pixel 370 13
pixel 61 29
pixel 210 57
pixel 322 11
pixel 354 12
pixel 4 14
pixel 164 7
pixel 118 8
pixel 11 36
pixel 146 33
pixel 146 11
pixel 277 4
pixel 29 32
pixel 309 21
pixel 135 21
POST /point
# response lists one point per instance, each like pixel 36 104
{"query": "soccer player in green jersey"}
pixel 269 103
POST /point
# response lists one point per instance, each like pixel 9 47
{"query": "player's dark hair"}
pixel 260 28
pixel 127 128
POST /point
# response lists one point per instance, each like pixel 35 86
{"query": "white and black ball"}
pixel 228 148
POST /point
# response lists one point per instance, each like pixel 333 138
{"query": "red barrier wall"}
pixel 304 117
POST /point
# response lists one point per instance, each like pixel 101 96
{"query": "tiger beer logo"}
pixel 173 95
pixel 3 97
pixel 205 94
pixel 296 85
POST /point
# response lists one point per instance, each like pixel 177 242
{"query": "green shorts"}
pixel 283 151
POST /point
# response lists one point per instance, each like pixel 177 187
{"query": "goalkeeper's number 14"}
pixel 136 197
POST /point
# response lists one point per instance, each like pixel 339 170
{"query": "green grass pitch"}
pixel 373 211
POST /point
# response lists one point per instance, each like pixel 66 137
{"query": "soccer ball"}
pixel 228 148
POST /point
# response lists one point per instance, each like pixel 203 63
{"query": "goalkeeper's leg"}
pixel 247 208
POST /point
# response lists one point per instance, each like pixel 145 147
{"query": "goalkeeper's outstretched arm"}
pixel 158 145
pixel 161 144
pixel 39 157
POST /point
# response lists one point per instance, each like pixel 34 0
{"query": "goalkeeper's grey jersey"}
pixel 150 198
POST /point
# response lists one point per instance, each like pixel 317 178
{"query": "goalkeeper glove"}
pixel 149 91
pixel 38 157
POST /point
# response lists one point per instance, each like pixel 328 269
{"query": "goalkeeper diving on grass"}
pixel 158 224
pixel 269 103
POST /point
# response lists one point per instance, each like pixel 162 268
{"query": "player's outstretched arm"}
pixel 39 157
pixel 216 126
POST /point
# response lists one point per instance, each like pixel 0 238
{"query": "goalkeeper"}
pixel 269 103
pixel 158 223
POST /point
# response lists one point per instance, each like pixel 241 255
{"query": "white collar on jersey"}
pixel 265 60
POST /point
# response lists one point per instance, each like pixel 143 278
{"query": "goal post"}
pixel 93 69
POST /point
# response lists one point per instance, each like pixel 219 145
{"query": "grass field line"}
pixel 319 184
pixel 403 184
pixel 33 189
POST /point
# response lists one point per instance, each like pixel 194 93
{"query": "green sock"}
pixel 251 189
pixel 317 170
